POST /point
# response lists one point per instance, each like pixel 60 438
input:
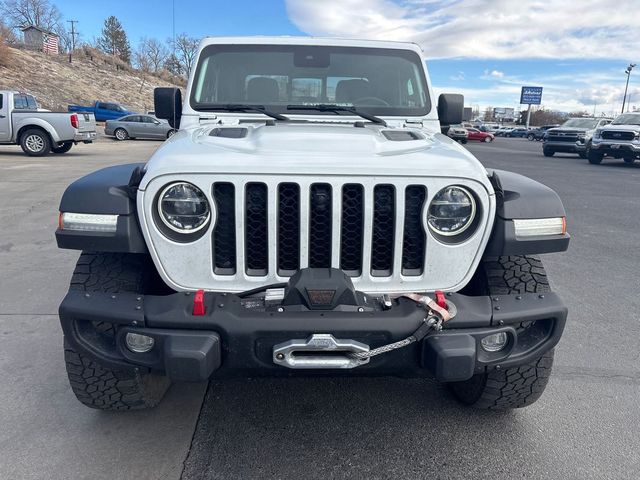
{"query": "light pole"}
pixel 628 72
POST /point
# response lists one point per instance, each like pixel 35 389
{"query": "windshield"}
pixel 377 81
pixel 627 119
pixel 588 123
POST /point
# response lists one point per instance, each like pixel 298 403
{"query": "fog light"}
pixel 494 342
pixel 139 343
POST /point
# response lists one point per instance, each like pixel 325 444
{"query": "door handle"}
pixel 3 116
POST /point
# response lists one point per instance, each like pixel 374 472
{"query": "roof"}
pixel 292 40
pixel 27 27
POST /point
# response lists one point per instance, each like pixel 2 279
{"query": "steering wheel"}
pixel 371 101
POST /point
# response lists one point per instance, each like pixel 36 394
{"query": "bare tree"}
pixel 151 55
pixel 41 13
pixel 173 65
pixel 185 49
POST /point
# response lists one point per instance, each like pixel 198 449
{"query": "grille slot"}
pixel 382 242
pixel 352 229
pixel 256 240
pixel 288 229
pixel 224 236
pixel 320 220
pixel 413 243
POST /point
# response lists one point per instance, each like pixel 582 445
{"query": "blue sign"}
pixel 531 95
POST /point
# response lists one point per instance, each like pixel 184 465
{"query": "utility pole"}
pixel 628 72
pixel 73 37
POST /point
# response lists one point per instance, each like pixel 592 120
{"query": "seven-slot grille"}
pixel 377 231
pixel 617 135
pixel 562 136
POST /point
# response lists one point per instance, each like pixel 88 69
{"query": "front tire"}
pixel 515 387
pixel 531 137
pixel 64 148
pixel 95 385
pixel 548 152
pixel 488 139
pixel 35 142
pixel 595 157
pixel 170 134
pixel 629 160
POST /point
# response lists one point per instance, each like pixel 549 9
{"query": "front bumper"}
pixel 616 148
pixel 85 137
pixel 566 147
pixel 233 340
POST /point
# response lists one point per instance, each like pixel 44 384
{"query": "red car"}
pixel 475 134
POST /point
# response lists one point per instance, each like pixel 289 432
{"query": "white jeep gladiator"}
pixel 40 132
pixel 309 218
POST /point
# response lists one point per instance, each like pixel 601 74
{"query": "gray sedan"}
pixel 138 126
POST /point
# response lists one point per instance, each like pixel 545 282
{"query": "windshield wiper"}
pixel 322 107
pixel 241 107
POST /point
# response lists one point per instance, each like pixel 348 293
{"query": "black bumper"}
pixel 232 340
pixel 563 147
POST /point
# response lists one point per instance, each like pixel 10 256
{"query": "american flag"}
pixel 50 43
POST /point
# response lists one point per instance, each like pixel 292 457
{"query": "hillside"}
pixel 56 83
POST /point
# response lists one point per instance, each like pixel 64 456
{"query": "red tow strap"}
pixel 441 300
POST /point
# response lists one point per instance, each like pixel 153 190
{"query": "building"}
pixel 40 39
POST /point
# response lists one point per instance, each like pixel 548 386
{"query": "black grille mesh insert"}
pixel 382 240
pixel 351 233
pixel 320 219
pixel 256 238
pixel 288 228
pixel 224 236
pixel 413 244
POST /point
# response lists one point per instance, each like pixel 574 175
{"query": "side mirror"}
pixel 450 109
pixel 168 104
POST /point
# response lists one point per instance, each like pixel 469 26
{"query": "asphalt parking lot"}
pixel 585 426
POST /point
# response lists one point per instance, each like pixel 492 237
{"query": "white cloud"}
pixel 481 28
pixel 493 74
pixel 457 77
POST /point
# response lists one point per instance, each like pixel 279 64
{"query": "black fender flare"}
pixel 111 190
pixel 519 197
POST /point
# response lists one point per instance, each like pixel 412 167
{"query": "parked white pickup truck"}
pixel 38 131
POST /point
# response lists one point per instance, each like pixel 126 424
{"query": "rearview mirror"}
pixel 168 104
pixel 450 109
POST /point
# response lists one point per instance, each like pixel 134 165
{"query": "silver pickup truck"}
pixel 38 131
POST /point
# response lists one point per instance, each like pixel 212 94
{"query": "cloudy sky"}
pixel 485 49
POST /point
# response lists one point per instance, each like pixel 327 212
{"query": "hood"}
pixel 569 130
pixel 622 128
pixel 313 149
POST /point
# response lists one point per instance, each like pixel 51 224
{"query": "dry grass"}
pixel 92 76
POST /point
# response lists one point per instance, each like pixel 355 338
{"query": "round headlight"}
pixel 184 208
pixel 451 211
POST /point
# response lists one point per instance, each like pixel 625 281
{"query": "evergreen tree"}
pixel 114 41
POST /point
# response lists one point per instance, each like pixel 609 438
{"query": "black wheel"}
pixel 629 160
pixel 488 139
pixel 170 133
pixel 594 157
pixel 547 152
pixel 531 137
pixel 121 134
pixel 463 141
pixel 95 385
pixel 64 148
pixel 35 142
pixel 582 154
pixel 518 386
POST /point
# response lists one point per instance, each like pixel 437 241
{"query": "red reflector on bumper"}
pixel 198 303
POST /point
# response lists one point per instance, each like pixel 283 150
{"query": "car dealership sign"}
pixel 531 95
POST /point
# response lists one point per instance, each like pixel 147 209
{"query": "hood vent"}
pixel 229 132
pixel 401 135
